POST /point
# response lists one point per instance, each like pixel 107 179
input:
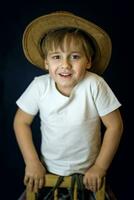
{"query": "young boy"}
pixel 72 101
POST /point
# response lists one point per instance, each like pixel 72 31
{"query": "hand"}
pixel 93 178
pixel 34 176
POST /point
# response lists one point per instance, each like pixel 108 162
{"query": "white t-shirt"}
pixel 70 126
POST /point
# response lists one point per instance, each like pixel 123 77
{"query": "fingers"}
pixel 93 178
pixel 93 185
pixel 99 183
pixel 30 184
pixel 34 184
pixel 26 179
pixel 85 181
pixel 41 183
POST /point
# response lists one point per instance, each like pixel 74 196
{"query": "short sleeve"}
pixel 28 101
pixel 105 99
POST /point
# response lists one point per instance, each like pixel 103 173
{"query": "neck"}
pixel 66 91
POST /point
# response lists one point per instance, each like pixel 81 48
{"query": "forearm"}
pixel 24 137
pixel 34 172
pixel 109 147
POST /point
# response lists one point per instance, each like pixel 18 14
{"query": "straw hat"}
pixel 41 25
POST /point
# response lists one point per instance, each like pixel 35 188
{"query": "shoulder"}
pixel 42 81
pixel 93 79
pixel 40 84
pixel 96 84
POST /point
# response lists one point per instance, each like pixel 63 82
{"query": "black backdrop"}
pixel 16 73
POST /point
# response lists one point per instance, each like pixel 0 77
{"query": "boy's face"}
pixel 67 66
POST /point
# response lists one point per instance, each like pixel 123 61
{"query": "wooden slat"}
pixel 52 179
pixel 30 195
pixel 100 195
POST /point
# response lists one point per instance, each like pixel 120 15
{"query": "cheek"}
pixel 52 71
pixel 80 73
pixel 81 69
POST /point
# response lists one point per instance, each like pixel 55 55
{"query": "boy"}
pixel 72 101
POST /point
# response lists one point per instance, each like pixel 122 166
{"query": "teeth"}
pixel 65 74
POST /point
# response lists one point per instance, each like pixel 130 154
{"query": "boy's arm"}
pixel 34 172
pixel 114 128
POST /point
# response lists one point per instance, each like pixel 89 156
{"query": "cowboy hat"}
pixel 56 20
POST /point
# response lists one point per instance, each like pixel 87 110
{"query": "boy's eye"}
pixel 75 56
pixel 56 57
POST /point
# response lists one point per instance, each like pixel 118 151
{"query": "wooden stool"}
pixel 51 181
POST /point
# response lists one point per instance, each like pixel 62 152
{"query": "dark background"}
pixel 16 73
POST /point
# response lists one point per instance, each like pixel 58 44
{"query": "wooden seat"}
pixel 51 181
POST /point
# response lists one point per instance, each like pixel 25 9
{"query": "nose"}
pixel 66 64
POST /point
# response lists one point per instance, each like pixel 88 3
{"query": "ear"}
pixel 89 64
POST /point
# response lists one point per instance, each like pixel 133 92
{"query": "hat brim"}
pixel 41 25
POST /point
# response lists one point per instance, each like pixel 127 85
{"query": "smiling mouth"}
pixel 65 75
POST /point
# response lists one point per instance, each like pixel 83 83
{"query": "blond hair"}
pixel 55 39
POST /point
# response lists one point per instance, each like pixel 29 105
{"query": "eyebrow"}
pixel 55 52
